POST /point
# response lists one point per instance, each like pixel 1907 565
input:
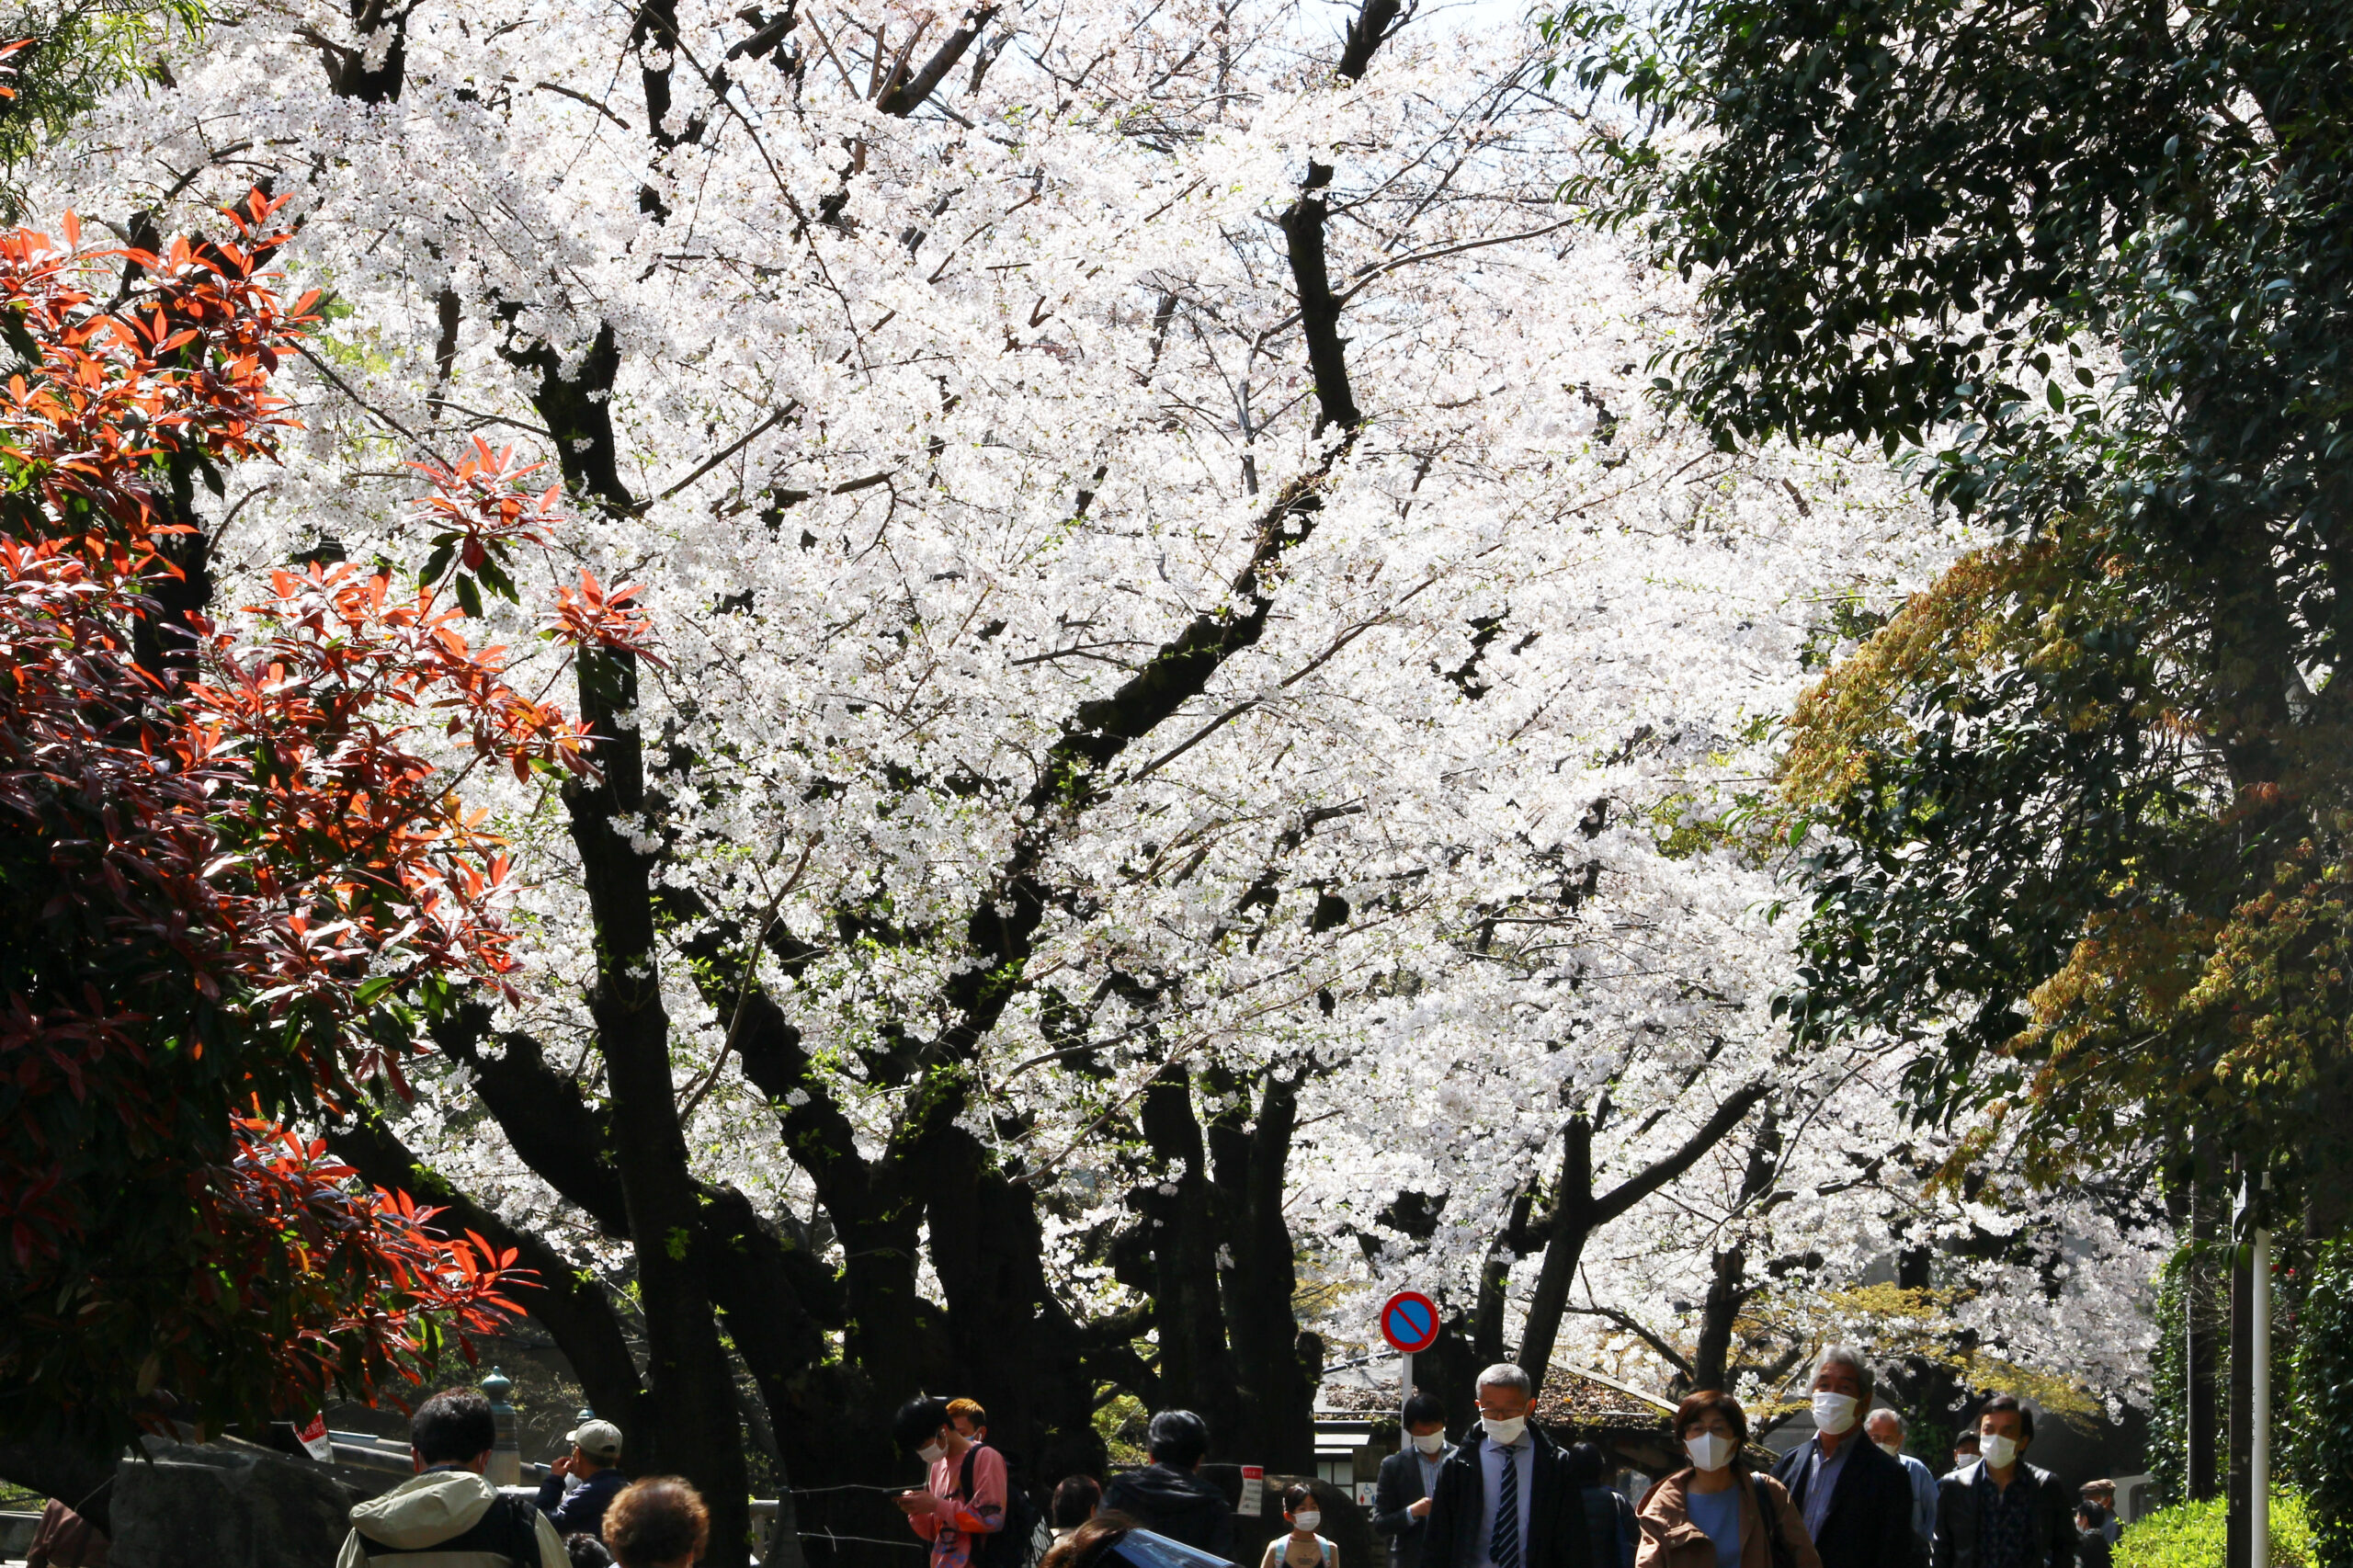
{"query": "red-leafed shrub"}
pixel 235 884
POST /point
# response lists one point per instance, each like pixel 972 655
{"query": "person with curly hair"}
pixel 659 1522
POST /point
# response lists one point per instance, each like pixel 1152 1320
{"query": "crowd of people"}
pixel 1506 1496
pixel 1848 1497
pixel 449 1516
pixel 1509 1496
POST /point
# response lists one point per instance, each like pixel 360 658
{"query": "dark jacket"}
pixel 1869 1522
pixel 580 1511
pixel 1399 1488
pixel 1609 1519
pixel 1557 1537
pixel 1177 1503
pixel 1957 1500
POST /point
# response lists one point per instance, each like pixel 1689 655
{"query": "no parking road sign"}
pixel 1409 1321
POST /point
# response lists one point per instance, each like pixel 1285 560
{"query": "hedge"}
pixel 2192 1535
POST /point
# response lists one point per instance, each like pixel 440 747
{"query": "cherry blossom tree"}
pixel 1194 699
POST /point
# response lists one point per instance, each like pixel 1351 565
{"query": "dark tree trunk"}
pixel 1447 1370
pixel 1278 1390
pixel 1181 1227
pixel 2200 1362
pixel 1019 1350
pixel 1566 1229
pixel 1213 1249
pixel 1728 1294
pixel 1494 1280
pixel 689 1408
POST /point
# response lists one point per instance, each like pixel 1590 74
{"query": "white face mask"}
pixel 1833 1413
pixel 1504 1431
pixel 1306 1519
pixel 571 1482
pixel 1429 1442
pixel 1893 1450
pixel 932 1453
pixel 1999 1453
pixel 1709 1450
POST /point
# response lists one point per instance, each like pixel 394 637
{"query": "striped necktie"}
pixel 1504 1549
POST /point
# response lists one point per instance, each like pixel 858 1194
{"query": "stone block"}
pixel 212 1506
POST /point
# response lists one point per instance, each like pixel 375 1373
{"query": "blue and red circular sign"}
pixel 1409 1321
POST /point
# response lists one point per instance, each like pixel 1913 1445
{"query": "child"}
pixel 1303 1548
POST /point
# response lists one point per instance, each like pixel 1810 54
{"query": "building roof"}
pixel 1572 1397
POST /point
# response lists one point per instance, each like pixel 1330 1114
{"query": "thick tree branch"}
pixel 910 95
pixel 570 1304
pixel 1319 310
pixel 1577 1213
pixel 1666 1352
pixel 66 1471
pixel 550 1126
pixel 1375 23
pixel 1673 1164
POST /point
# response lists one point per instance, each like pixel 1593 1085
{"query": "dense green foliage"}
pixel 2090 266
pixel 2191 1535
pixel 2321 1415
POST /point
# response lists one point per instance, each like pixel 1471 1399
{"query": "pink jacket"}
pixel 954 1525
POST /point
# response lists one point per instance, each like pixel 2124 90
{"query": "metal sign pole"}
pixel 1404 1393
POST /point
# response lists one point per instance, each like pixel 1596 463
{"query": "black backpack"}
pixel 1008 1545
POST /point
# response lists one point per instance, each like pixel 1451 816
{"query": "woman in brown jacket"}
pixel 1710 1515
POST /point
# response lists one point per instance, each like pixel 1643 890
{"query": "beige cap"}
pixel 599 1440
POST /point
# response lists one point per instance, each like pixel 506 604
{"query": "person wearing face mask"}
pixel 960 1506
pixel 2003 1512
pixel 1401 1498
pixel 1504 1498
pixel 1964 1454
pixel 1303 1548
pixel 1854 1499
pixel 1718 1512
pixel 1886 1428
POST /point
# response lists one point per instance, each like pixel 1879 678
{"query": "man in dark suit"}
pixel 2003 1512
pixel 1504 1499
pixel 1400 1499
pixel 1856 1502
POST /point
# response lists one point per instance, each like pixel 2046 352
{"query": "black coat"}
pixel 1399 1488
pixel 1957 1504
pixel 1869 1522
pixel 1557 1537
pixel 1177 1503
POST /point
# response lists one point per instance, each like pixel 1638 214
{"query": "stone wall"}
pixel 187 1506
